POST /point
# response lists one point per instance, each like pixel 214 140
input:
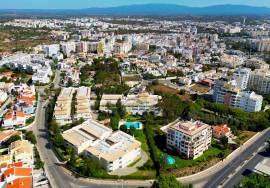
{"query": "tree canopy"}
pixel 254 180
pixel 169 181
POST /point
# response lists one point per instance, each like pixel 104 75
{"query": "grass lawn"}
pixel 148 170
pixel 143 174
pixel 140 136
pixel 130 118
pixel 207 155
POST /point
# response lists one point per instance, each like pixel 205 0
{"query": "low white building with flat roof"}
pixel 62 110
pixel 134 104
pixel 113 150
pixel 83 109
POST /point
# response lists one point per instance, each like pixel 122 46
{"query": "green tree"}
pixel 91 168
pixel 72 159
pixel 58 140
pixel 182 92
pixel 39 164
pixel 132 131
pixel 120 109
pixel 54 127
pixel 172 107
pixel 13 139
pixel 69 82
pixel 97 104
pixel 115 121
pixel 168 181
pixel 124 128
pixel 30 136
pixel 224 141
pixel 254 180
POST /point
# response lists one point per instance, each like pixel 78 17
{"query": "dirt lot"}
pixel 165 89
pixel 200 88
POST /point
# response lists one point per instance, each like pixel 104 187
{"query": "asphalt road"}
pixel 223 173
pixel 246 169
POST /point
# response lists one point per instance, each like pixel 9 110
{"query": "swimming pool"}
pixel 170 160
pixel 136 125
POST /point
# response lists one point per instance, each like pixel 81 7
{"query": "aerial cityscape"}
pixel 135 94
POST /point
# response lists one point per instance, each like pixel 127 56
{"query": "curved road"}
pixel 219 177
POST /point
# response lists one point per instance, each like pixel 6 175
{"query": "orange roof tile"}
pixel 25 182
pixel 221 129
pixel 11 114
pixel 18 171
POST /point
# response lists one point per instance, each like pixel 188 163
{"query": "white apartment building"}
pixel 250 101
pixel 241 76
pixel 22 150
pixel 68 48
pixel 62 110
pixel 189 138
pixel 259 81
pixel 51 50
pixel 134 104
pixel 227 92
pixel 83 109
pixel 41 77
pixel 33 63
pixel 262 45
pixel 3 97
pixel 113 150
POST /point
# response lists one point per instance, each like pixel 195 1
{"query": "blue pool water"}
pixel 136 125
pixel 170 160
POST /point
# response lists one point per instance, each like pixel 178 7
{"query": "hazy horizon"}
pixel 79 4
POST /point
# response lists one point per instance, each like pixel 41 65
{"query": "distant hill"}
pixel 150 10
pixel 171 9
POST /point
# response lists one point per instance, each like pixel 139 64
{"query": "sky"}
pixel 78 4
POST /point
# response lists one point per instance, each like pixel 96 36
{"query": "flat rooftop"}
pixel 83 92
pixel 189 127
pixel 115 146
pixel 89 131
pixel 66 92
pixel 263 167
pixel 101 141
